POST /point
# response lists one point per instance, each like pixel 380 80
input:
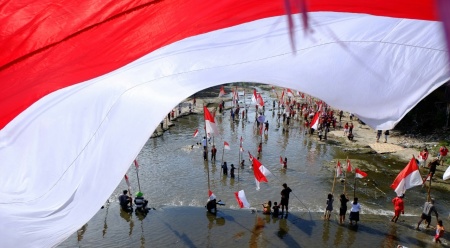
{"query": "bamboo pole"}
pixel 354 187
pixel 334 180
pixel 345 175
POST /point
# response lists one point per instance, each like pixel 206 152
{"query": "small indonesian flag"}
pixel 259 100
pixel 281 161
pixel 315 121
pixel 241 199
pixel 254 96
pixel 349 166
pixel 338 169
pixel 136 164
pixel 195 133
pixel 127 181
pixel 211 195
pixel 226 145
pixel 360 173
pixel 210 125
pixel 289 92
pixel 241 149
pixel 407 178
pixel 282 96
pixel 250 156
pixel 260 172
pixel 222 91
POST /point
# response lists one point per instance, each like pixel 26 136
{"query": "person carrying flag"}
pixel 428 208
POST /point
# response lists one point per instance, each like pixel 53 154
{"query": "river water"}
pixel 174 178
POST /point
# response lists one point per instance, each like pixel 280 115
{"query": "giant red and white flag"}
pixel 210 124
pixel 260 172
pixel 315 121
pixel 78 107
pixel 241 199
pixel 407 178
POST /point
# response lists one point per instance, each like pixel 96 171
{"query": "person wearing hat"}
pixel 285 198
pixel 125 201
pixel 232 171
pixel 398 207
pixel 141 203
pixel 428 207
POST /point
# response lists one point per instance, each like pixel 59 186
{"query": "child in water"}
pixel 267 207
pixel 276 210
pixel 329 208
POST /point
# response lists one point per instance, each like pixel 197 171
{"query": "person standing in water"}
pixel 213 153
pixel 398 207
pixel 354 211
pixel 329 207
pixel 232 171
pixel 225 168
pixel 125 201
pixel 285 198
pixel 343 208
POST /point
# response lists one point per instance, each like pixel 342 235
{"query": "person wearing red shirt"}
pixel 398 207
pixel 423 157
pixel 442 154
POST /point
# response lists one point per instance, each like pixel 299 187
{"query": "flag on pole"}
pixel 196 133
pixel 282 96
pixel 290 93
pixel 254 96
pixel 349 166
pixel 250 157
pixel 259 100
pixel 315 121
pixel 211 195
pixel 359 173
pixel 241 148
pixel 241 199
pixel 222 91
pixel 338 169
pixel 226 145
pixel 136 164
pixel 281 161
pixel 260 172
pixel 210 125
pixel 407 178
pixel 127 181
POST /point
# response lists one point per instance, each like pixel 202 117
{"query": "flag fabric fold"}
pixel 195 133
pixel 241 199
pixel 407 178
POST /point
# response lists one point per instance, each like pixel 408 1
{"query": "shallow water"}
pixel 174 178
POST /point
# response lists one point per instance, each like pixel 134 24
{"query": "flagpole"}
pixel 137 174
pixel 354 186
pixel 239 161
pixel 345 176
pixel 334 180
